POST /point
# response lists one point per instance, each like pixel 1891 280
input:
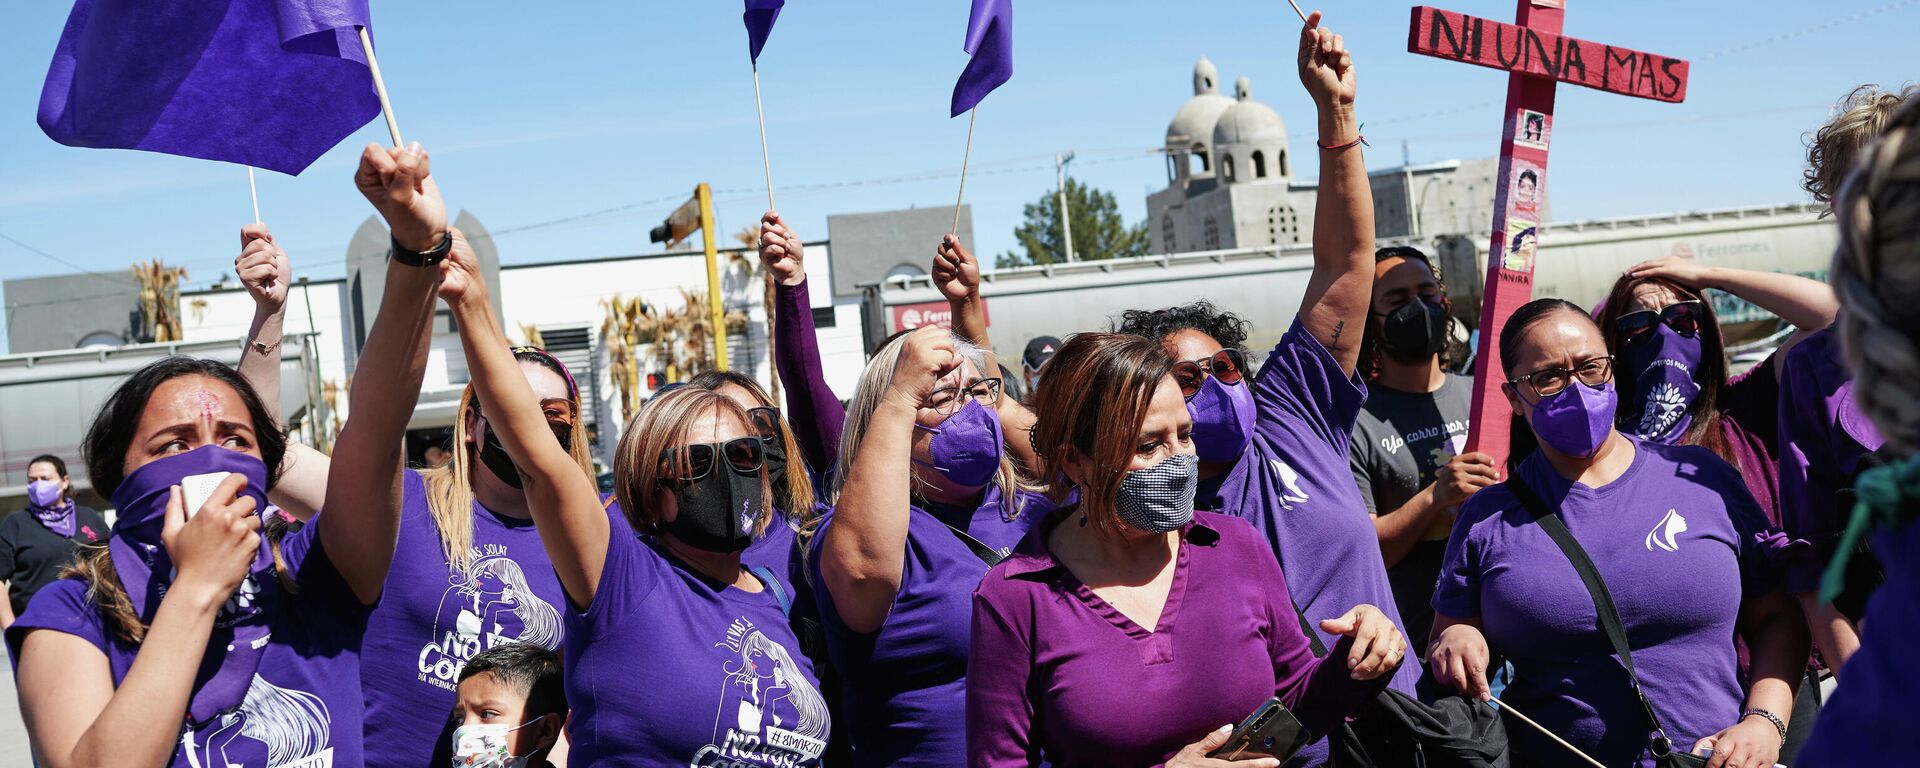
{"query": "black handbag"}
pixel 1394 730
pixel 1609 616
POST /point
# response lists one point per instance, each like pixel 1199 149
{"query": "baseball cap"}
pixel 1039 351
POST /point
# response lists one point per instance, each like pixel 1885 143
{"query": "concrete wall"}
pixel 57 312
pixel 867 247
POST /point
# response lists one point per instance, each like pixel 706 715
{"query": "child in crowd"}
pixel 510 708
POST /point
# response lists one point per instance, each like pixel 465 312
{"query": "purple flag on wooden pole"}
pixel 990 41
pixel 266 83
pixel 760 16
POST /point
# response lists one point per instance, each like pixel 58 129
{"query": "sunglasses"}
pixel 692 462
pixel 1225 365
pixel 1684 317
pixel 765 421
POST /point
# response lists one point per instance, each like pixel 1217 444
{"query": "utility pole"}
pixel 1060 183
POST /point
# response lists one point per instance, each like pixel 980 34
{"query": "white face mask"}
pixel 485 746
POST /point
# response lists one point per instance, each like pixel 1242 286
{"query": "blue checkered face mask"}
pixel 1159 498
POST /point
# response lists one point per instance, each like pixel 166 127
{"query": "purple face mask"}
pixel 1664 366
pixel 53 511
pixel 1223 417
pixel 241 628
pixel 1576 420
pixel 966 446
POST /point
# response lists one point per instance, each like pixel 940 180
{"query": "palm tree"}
pixel 750 265
pixel 159 299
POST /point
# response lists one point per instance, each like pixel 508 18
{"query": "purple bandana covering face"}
pixel 48 506
pixel 1223 416
pixel 1576 420
pixel 240 630
pixel 1664 366
pixel 966 446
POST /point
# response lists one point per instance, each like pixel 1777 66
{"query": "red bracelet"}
pixel 1357 140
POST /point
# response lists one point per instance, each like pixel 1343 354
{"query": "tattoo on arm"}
pixel 1339 328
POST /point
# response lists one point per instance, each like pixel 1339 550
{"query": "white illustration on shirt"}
pixel 294 726
pixel 1290 482
pixel 1665 534
pixel 758 680
pixel 492 596
pixel 1665 405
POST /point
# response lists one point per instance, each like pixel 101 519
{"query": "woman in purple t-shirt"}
pixel 788 478
pixel 1869 720
pixel 1674 535
pixel 928 497
pixel 191 639
pixel 1127 629
pixel 675 651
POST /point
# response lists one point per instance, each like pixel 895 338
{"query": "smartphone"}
pixel 1271 731
pixel 196 489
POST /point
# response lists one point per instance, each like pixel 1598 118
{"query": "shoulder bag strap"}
pixel 1608 615
pixel 779 590
pixel 979 548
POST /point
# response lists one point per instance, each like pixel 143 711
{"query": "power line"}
pixel 61 261
pixel 1784 36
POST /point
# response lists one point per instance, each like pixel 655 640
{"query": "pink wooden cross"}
pixel 1539 58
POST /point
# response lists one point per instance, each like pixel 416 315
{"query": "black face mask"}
pixel 1414 331
pixel 775 452
pixel 717 512
pixel 494 455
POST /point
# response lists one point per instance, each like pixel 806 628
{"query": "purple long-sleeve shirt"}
pixel 1824 439
pixel 1056 674
pixel 813 411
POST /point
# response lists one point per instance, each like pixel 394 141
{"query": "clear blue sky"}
pixel 537 112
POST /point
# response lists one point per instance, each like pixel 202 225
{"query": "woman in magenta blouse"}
pixel 1063 668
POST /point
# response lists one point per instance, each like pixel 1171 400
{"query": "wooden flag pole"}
pixel 765 163
pixel 964 158
pixel 380 86
pixel 1296 9
pixel 255 192
pixel 1563 742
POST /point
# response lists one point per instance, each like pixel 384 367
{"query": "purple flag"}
pixel 990 40
pixel 760 16
pixel 268 83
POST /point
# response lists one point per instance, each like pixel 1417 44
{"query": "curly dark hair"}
pixel 1156 324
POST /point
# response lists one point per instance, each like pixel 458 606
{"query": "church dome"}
pixel 1194 122
pixel 1247 121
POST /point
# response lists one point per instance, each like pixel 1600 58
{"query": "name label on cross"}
pixel 1488 43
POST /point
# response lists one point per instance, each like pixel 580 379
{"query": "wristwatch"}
pixel 427 258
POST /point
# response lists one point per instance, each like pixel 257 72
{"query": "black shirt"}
pixel 31 556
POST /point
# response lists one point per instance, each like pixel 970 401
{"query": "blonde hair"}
pixel 1876 273
pixel 449 487
pixel 1834 149
pixel 660 426
pixel 874 380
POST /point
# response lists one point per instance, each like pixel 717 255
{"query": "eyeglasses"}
pixel 1548 382
pixel 766 422
pixel 1684 317
pixel 1225 365
pixel 949 400
pixel 692 462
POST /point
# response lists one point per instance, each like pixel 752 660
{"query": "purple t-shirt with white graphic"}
pixel 906 685
pixel 1295 484
pixel 303 709
pixel 1824 441
pixel 1676 538
pixel 667 667
pixel 433 617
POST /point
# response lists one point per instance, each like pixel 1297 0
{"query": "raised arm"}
pixel 863 550
pixel 813 411
pixel 957 274
pixel 263 269
pixel 1808 304
pixel 75 714
pixel 362 517
pixel 565 504
pixel 1334 308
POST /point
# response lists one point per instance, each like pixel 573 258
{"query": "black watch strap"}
pixel 427 258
